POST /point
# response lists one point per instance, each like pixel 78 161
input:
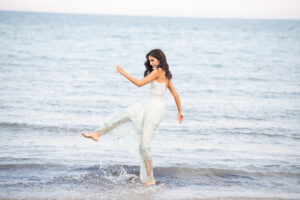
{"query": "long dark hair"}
pixel 159 55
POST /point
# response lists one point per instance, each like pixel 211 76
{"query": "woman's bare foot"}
pixel 93 135
pixel 150 183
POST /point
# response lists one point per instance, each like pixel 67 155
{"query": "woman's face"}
pixel 153 61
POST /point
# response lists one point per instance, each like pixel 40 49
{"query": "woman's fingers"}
pixel 119 69
pixel 180 118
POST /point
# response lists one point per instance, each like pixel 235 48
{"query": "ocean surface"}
pixel 239 84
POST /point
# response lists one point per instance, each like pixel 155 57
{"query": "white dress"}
pixel 137 125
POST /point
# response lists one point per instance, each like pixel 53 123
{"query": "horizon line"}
pixel 160 16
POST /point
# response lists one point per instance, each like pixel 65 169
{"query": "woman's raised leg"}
pixel 95 135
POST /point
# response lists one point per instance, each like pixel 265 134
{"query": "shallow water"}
pixel 238 81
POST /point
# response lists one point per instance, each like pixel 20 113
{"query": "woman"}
pixel 144 116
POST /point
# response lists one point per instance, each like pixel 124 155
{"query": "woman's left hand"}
pixel 180 117
pixel 120 69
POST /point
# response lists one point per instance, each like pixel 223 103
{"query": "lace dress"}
pixel 136 126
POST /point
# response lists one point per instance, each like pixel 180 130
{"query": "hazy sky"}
pixel 282 9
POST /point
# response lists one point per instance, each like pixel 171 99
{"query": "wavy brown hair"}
pixel 159 55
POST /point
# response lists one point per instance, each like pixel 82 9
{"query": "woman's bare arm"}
pixel 177 100
pixel 153 75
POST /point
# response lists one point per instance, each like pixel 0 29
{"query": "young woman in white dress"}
pixel 145 116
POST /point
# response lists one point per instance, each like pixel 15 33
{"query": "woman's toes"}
pixel 150 183
pixel 85 134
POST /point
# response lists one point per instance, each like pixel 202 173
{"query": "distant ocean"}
pixel 238 80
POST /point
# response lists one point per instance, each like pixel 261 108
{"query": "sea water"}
pixel 238 81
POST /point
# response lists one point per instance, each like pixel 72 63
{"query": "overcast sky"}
pixel 279 9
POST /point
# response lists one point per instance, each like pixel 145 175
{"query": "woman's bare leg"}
pixel 148 133
pixel 149 169
pixel 95 135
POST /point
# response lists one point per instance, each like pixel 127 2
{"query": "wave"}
pixel 27 166
pixel 181 172
pixel 105 177
pixel 47 128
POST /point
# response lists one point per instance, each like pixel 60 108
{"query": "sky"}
pixel 259 9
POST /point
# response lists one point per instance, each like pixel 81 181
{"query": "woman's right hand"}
pixel 180 117
pixel 120 69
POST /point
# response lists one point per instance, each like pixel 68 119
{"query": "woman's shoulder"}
pixel 161 72
pixel 162 76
